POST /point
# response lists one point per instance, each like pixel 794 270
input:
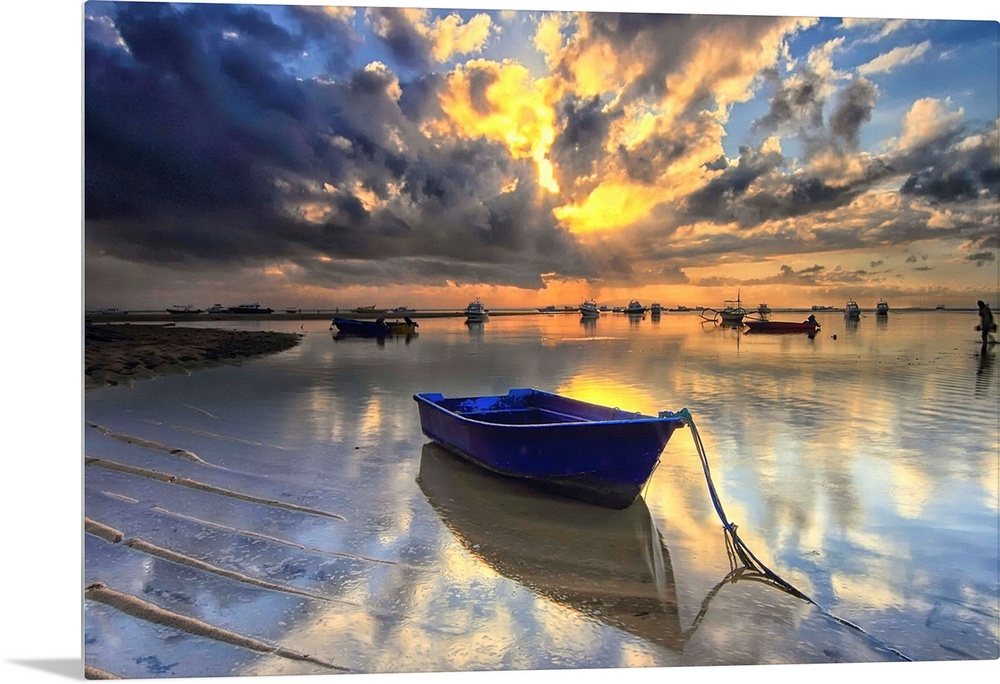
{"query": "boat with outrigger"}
pixel 730 314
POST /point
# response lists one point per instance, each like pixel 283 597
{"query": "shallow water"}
pixel 860 465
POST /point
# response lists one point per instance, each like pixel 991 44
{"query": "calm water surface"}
pixel 861 466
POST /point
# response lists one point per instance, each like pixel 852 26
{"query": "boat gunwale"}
pixel 428 398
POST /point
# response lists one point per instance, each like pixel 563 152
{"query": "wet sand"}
pixel 122 354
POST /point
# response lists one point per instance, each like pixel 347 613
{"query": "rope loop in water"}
pixel 735 547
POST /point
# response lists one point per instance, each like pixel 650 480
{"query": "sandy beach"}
pixel 122 354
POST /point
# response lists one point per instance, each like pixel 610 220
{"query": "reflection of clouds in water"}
pixel 858 476
pixel 874 588
pixel 911 490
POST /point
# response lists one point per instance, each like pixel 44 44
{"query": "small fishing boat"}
pixel 365 309
pixel 809 327
pixel 585 451
pixel 476 312
pixel 249 309
pixel 218 309
pixel 882 308
pixel 351 326
pixel 851 310
pixel 180 309
pixel 655 309
pixel 763 309
pixel 588 309
pixel 548 309
pixel 634 308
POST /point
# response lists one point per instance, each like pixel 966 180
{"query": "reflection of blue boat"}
pixel 350 326
pixel 597 454
pixel 609 565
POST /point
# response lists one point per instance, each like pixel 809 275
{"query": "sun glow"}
pixel 502 102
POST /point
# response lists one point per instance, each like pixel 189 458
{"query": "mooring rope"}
pixel 743 552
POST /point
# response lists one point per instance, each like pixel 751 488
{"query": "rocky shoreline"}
pixel 122 354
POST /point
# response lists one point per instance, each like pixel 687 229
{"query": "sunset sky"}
pixel 337 156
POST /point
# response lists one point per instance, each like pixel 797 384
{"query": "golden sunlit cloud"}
pixel 502 102
pixel 447 36
pixel 452 37
pixel 611 205
pixel 928 119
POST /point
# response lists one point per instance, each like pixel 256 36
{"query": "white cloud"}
pixel 887 62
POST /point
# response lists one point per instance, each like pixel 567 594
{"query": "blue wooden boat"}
pixel 351 326
pixel 585 451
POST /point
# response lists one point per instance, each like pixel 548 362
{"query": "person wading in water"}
pixel 986 323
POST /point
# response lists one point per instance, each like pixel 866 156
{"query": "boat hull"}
pixel 349 326
pixel 780 327
pixel 596 454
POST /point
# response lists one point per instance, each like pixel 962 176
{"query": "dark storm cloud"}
pixel 943 171
pixel 981 258
pixel 578 148
pixel 200 146
pixel 854 107
pixel 715 200
pixel 942 185
pixel 797 102
pixel 578 151
pixel 327 34
pixel 401 37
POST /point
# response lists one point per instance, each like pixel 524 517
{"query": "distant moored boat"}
pixel 476 312
pixel 588 309
pixel 882 308
pixel 183 309
pixel 249 309
pixel 634 307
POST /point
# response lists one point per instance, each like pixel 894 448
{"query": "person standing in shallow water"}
pixel 985 320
